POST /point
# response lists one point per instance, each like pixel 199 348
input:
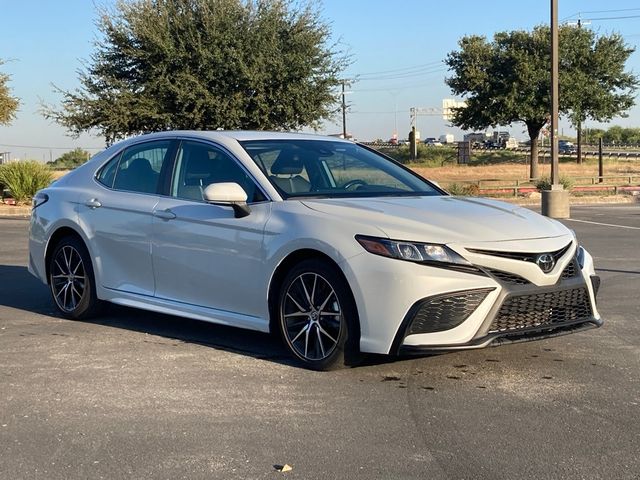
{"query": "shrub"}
pixel 24 179
pixel 544 183
pixel 427 156
pixel 461 190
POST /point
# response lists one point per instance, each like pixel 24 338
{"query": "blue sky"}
pixel 46 42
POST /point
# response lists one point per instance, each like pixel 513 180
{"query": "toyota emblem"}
pixel 546 262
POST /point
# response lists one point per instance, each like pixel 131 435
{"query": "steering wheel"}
pixel 353 183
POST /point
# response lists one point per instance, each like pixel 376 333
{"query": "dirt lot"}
pixel 520 170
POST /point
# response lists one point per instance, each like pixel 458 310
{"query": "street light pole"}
pixel 555 202
pixel 344 113
pixel 554 92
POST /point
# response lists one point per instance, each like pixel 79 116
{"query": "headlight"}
pixel 38 199
pixel 411 251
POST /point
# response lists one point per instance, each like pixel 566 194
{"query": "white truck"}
pixel 446 138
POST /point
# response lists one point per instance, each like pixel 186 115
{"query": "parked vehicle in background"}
pixel 476 138
pixel 432 142
pixel 565 147
pixel 334 246
pixel 447 138
pixel 510 142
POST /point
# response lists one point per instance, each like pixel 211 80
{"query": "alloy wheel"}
pixel 68 278
pixel 311 316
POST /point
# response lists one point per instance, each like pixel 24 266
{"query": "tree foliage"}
pixel 71 159
pixel 204 64
pixel 508 79
pixel 8 103
pixel 616 135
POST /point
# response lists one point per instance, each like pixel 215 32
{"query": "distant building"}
pixel 4 157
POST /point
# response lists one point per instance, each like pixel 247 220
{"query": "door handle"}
pixel 164 214
pixel 93 203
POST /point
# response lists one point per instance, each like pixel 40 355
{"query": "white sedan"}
pixel 338 248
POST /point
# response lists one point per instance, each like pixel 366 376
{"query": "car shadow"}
pixel 20 290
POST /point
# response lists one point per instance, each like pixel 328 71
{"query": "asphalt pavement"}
pixel 137 395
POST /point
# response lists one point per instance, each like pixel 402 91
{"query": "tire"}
pixel 317 317
pixel 72 281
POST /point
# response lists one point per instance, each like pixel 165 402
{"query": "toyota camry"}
pixel 334 246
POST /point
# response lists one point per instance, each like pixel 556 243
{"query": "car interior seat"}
pixel 138 177
pixel 286 170
pixel 198 173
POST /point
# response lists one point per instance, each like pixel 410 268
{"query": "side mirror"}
pixel 230 194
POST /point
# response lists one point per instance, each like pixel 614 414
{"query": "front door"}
pixel 202 254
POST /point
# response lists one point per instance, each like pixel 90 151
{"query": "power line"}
pixel 578 14
pixel 615 18
pixel 399 87
pixel 613 11
pixel 398 70
pixel 48 148
pixel 418 73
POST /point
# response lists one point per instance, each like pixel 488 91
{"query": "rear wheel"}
pixel 316 314
pixel 71 280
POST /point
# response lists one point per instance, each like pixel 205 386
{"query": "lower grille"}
pixel 444 312
pixel 570 271
pixel 542 309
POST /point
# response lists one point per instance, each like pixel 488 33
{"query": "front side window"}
pixel 198 165
pixel 303 168
pixel 139 167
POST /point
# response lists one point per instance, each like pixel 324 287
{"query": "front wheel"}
pixel 71 280
pixel 316 314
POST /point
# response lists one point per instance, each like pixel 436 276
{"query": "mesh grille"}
pixel 570 270
pixel 446 311
pixel 507 277
pixel 530 311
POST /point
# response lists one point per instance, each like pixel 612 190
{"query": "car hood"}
pixel 442 219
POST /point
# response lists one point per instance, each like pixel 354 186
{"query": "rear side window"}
pixel 108 173
pixel 139 167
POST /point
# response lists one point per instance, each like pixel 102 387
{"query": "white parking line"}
pixel 603 224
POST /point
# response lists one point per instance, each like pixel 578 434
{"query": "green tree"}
pixel 71 159
pixel 508 80
pixel 204 64
pixel 8 103
pixel 598 86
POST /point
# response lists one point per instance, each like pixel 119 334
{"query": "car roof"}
pixel 240 135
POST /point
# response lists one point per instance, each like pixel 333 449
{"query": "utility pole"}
pixel 554 92
pixel 555 202
pixel 579 132
pixel 344 113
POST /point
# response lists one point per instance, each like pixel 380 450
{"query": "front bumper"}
pixel 495 340
pixel 389 293
pixel 521 312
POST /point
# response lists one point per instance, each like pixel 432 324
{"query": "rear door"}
pixel 117 214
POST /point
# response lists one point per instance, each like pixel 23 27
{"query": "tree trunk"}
pixel 579 141
pixel 534 134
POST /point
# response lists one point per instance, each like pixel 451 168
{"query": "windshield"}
pixel 321 168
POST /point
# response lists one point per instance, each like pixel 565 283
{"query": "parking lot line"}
pixel 602 224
